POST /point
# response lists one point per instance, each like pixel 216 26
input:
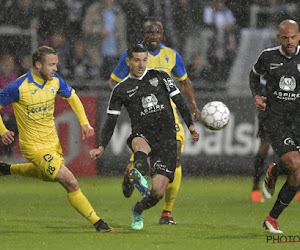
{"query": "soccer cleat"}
pixel 298 196
pixel 271 224
pixel 137 222
pixel 269 182
pixel 127 186
pixel 256 196
pixel 102 227
pixel 139 181
pixel 167 219
pixel 4 168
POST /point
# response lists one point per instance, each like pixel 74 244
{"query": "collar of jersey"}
pixel 154 53
pixel 39 82
pixel 282 52
pixel 139 78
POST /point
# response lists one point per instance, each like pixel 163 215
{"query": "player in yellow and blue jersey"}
pixel 33 96
pixel 166 59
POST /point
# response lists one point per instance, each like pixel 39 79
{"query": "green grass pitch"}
pixel 212 213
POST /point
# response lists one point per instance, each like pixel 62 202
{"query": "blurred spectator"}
pixel 79 62
pixel 52 16
pixel 75 13
pixel 196 68
pixel 63 49
pixel 26 63
pixel 8 74
pixel 135 11
pixel 21 13
pixel 104 27
pixel 273 12
pixel 223 46
pixel 164 10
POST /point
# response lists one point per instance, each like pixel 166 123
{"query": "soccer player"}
pixel 32 96
pixel 280 68
pixel 146 94
pixel 166 59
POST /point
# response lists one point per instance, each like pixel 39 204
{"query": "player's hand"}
pixel 96 152
pixel 195 113
pixel 259 102
pixel 194 133
pixel 87 131
pixel 8 137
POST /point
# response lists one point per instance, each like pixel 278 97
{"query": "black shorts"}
pixel 261 132
pixel 163 153
pixel 282 137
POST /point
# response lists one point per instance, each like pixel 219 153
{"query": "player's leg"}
pixel 127 186
pixel 52 165
pixel 259 161
pixel 287 192
pixel 138 173
pixel 159 185
pixel 173 188
pixel 22 169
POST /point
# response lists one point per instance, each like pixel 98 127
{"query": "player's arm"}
pixel 178 99
pixel 8 95
pixel 7 136
pixel 66 91
pixel 113 112
pixel 78 109
pixel 180 73
pixel 256 87
pixel 185 113
pixel 188 91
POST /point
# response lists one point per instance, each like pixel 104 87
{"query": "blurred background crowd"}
pixel 90 35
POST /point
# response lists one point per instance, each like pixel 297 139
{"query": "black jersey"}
pixel 282 74
pixel 147 101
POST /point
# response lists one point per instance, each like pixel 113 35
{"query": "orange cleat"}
pixel 256 196
pixel 298 196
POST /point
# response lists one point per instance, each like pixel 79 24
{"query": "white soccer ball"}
pixel 215 115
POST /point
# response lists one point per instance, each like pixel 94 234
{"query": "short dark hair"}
pixel 135 48
pixel 40 52
pixel 152 19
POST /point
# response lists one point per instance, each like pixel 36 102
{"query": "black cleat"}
pixel 127 186
pixel 4 168
pixel 102 227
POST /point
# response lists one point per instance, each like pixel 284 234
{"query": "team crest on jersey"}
pixel 154 81
pixel 287 83
pixel 167 59
pixel 298 67
pixel 52 90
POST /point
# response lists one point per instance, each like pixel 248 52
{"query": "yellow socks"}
pixel 172 190
pixel 83 206
pixel 27 170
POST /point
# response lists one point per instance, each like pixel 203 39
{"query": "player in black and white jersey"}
pixel 280 66
pixel 146 93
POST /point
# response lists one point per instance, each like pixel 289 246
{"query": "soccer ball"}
pixel 215 115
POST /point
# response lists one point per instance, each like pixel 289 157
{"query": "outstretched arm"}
pixel 188 91
pixel 106 134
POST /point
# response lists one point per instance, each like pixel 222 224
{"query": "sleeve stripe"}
pixel 113 112
pixel 255 72
pixel 175 92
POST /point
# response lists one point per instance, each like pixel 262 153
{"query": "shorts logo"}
pixel 289 141
pixel 48 157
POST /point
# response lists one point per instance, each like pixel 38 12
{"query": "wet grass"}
pixel 212 213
